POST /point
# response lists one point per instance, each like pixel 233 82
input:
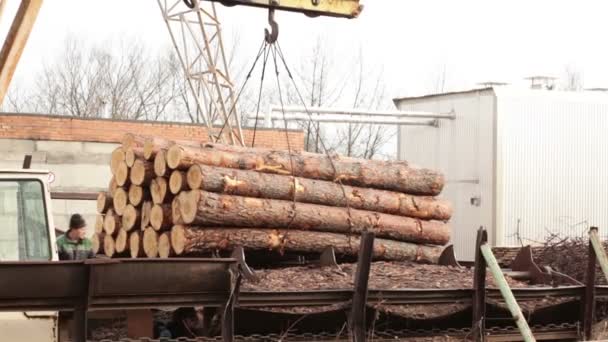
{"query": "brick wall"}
pixel 64 128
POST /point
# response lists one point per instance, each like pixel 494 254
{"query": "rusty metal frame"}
pixel 360 291
pixel 312 8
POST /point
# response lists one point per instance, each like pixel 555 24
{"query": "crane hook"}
pixel 272 35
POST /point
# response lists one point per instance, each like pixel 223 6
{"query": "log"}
pixel 142 172
pixel 159 191
pixel 104 202
pixel 176 214
pixel 255 184
pixel 111 223
pixel 132 154
pixel 204 208
pixel 146 208
pixel 99 224
pixel 122 174
pixel 108 246
pixel 164 245
pixel 131 218
pixel 160 164
pixel 97 243
pixel 389 175
pixel 130 140
pixel 136 244
pixel 120 201
pixel 160 217
pixel 117 157
pixel 196 240
pixel 154 144
pixel 138 194
pixel 178 182
pixel 121 242
pixel 112 186
pixel 150 242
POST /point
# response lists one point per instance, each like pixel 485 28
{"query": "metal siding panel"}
pixel 554 166
pixel 462 150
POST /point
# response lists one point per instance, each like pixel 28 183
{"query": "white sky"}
pixel 476 40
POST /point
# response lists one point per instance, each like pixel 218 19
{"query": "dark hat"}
pixel 76 221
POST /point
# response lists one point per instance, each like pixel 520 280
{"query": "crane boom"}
pixel 330 8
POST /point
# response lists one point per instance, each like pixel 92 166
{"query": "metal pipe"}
pixel 362 112
pixel 352 121
pixel 600 253
pixel 507 294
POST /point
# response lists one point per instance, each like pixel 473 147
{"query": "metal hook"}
pixel 272 35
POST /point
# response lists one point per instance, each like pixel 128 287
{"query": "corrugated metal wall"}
pixel 462 150
pixel 553 159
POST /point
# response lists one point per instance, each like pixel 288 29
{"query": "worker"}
pixel 74 245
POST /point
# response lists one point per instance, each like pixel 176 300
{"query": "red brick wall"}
pixel 65 128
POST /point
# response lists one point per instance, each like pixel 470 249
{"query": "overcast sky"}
pixel 412 40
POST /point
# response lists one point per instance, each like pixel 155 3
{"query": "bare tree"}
pixel 573 78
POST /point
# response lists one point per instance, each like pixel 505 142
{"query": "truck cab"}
pixel 27 234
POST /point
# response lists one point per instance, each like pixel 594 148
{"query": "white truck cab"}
pixel 27 233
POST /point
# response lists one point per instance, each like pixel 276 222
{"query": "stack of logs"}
pixel 182 198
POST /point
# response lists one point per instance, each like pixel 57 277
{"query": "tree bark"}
pixel 97 243
pixel 120 201
pixel 164 245
pixel 159 190
pixel 209 209
pixel 395 176
pixel 111 223
pixel 146 208
pixel 195 240
pixel 136 244
pixel 132 154
pixel 150 242
pixel 131 218
pixel 255 184
pixel 117 157
pixel 99 224
pixel 104 202
pixel 160 164
pixel 160 217
pixel 122 174
pixel 108 246
pixel 138 194
pixel 178 182
pixel 121 242
pixel 142 172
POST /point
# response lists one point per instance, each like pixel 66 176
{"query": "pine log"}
pixel 99 224
pixel 142 172
pixel 104 202
pixel 146 208
pixel 389 175
pixel 112 186
pixel 209 209
pixel 160 217
pixel 132 154
pixel 138 194
pixel 150 237
pixel 130 140
pixel 159 190
pixel 255 184
pixel 108 246
pixel 160 164
pixel 117 157
pixel 111 223
pixel 122 174
pixel 136 244
pixel 176 214
pixel 121 242
pixel 153 145
pixel 131 218
pixel 178 182
pixel 97 243
pixel 120 201
pixel 187 240
pixel 164 245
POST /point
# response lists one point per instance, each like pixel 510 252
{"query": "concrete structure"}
pixel 520 162
pixel 77 151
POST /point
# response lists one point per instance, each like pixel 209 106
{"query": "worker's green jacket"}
pixel 69 249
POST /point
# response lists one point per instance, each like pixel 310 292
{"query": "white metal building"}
pixel 520 162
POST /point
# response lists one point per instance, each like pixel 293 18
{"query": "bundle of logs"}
pixel 183 198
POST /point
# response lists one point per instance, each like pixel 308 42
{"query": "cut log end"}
pixel 120 200
pixel 130 157
pixel 178 239
pixel 160 217
pixel 122 174
pixel 112 186
pixel 141 173
pixel 97 243
pixel 164 246
pixel 117 157
pixel 146 208
pixel 120 243
pixel 160 164
pixel 177 182
pixel 174 156
pixel 99 224
pixel 176 214
pixel 194 177
pixel 130 218
pixel 108 246
pixel 136 194
pixel 135 245
pixel 150 242
pixel 159 189
pixel 104 201
pixel 188 205
pixel 109 223
pixel 149 149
